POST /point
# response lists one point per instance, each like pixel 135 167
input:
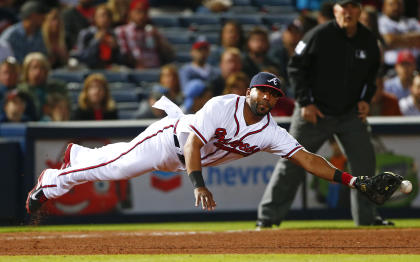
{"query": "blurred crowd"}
pixel 38 38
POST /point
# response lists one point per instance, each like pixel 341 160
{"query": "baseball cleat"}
pixel 36 197
pixel 263 224
pixel 66 159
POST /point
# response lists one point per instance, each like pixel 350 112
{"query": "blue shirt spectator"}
pixel 405 67
pixel 26 37
pixel 198 68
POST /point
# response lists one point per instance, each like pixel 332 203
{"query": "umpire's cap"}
pixel 343 2
pixel 267 80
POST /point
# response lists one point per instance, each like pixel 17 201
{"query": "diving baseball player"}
pixel 227 128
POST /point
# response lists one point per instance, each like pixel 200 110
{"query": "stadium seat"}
pixel 250 19
pixel 241 3
pixel 125 95
pixel 68 76
pixel 274 2
pixel 177 38
pixel 212 19
pixel 244 9
pixel 279 9
pixel 112 76
pixel 146 75
pixel 279 19
pixel 166 20
pixel 183 57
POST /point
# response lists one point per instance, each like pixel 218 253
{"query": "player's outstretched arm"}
pixel 193 164
pixel 314 164
pixel 378 188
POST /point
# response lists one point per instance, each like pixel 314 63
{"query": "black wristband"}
pixel 196 178
pixel 337 176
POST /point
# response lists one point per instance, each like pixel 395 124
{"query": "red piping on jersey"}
pixel 176 124
pixel 106 163
pixel 257 131
pixel 49 186
pixel 199 134
pixel 293 150
pixel 236 119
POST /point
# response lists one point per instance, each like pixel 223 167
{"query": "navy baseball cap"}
pixel 343 2
pixel 267 80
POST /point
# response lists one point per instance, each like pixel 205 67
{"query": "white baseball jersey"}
pixel 220 125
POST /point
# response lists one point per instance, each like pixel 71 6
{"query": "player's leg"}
pixel 356 142
pixel 152 149
pixel 286 178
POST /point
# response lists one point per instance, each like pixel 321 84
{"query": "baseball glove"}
pixel 380 187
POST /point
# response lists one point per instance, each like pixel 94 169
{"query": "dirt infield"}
pixel 357 241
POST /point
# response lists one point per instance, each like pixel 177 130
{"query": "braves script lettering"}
pixel 235 146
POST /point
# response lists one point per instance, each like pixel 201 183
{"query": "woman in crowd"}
pixel 97 45
pixel 95 101
pixel 36 83
pixel 169 86
pixel 55 39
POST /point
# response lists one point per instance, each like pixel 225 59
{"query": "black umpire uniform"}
pixel 333 72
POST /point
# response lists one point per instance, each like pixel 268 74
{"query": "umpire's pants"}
pixel 354 138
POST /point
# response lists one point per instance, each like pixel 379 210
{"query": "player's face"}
pixel 262 99
pixel 347 15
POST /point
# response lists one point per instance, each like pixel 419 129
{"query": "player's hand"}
pixel 203 195
pixel 310 113
pixel 363 108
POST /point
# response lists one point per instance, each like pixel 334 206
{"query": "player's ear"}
pixel 248 92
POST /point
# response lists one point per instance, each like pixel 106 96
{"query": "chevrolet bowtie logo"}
pixel 274 80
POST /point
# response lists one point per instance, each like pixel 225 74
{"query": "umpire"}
pixel 333 72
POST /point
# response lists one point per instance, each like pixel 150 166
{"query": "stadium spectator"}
pixel 76 18
pixel 369 18
pixel 257 57
pixel 57 108
pixel 97 45
pixel 169 86
pixel 5 50
pixel 398 31
pixel 326 13
pixel 54 39
pixel 199 68
pixel 26 37
pixel 140 43
pixel 119 10
pixel 9 76
pixel 196 95
pixel 230 63
pixel 7 15
pixel 281 53
pixel 237 83
pixel 383 103
pixel 95 100
pixel 410 105
pixel 36 83
pixel 231 35
pixel 405 67
pixel 14 108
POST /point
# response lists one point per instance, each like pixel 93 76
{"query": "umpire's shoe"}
pixel 36 197
pixel 263 224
